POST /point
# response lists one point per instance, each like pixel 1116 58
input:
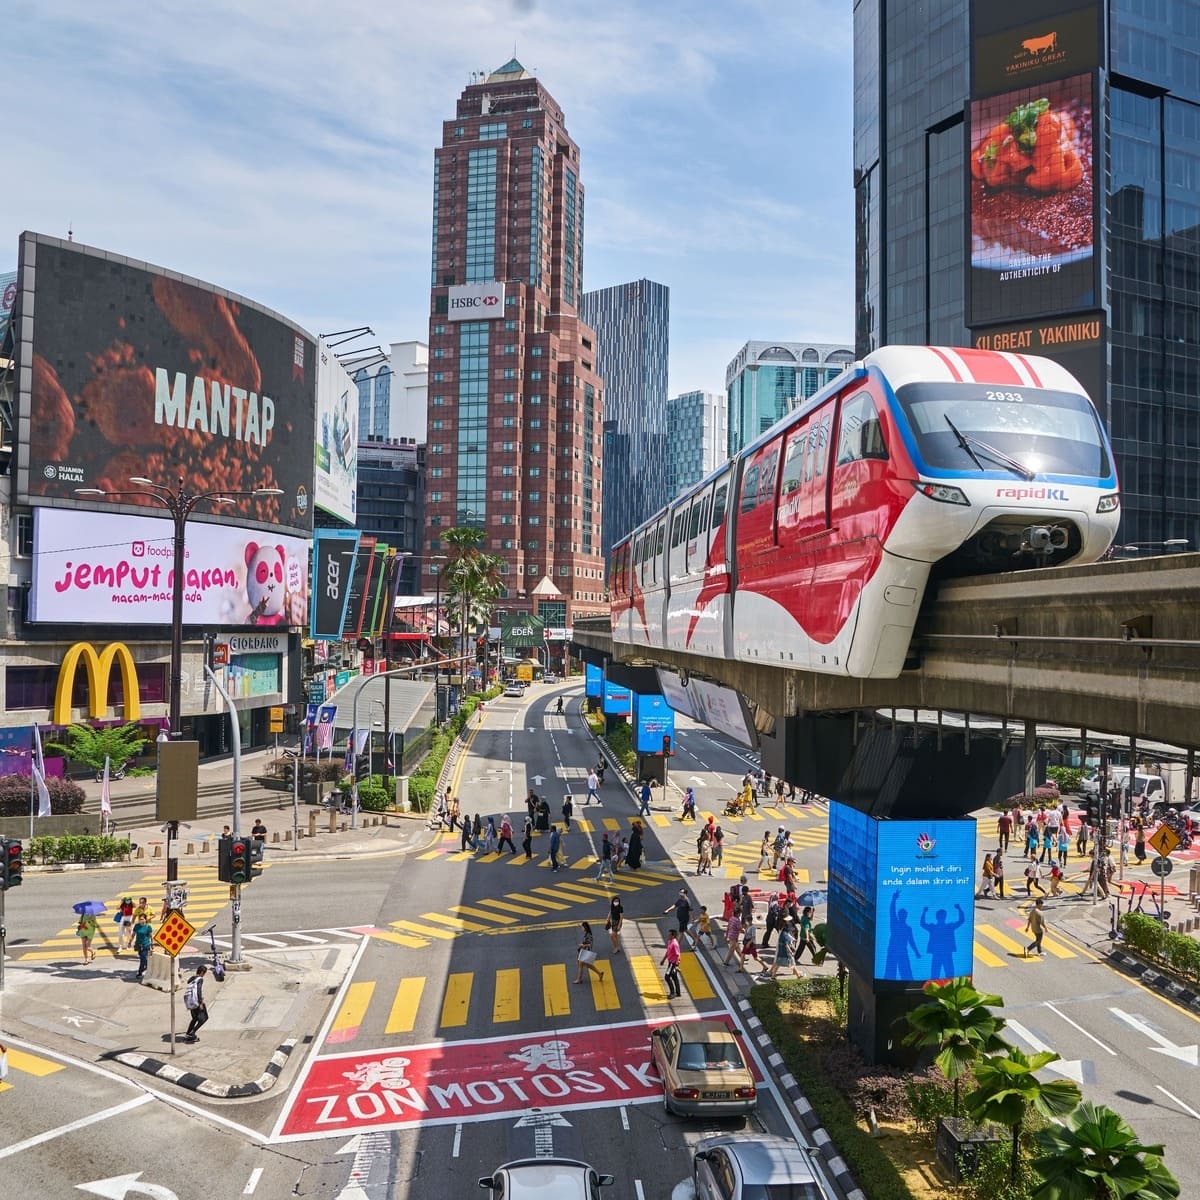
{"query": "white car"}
pixel 755 1166
pixel 515 689
pixel 545 1179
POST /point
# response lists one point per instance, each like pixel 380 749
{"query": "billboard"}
pixel 126 369
pixel 335 449
pixel 901 896
pixel 653 719
pixel 721 708
pixel 334 552
pixel 8 298
pixel 593 680
pixel 617 700
pixel 360 585
pixel 476 302
pixel 101 568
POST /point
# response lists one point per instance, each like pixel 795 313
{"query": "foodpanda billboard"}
pixel 476 302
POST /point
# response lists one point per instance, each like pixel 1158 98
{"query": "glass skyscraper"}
pixel 766 380
pixel 697 433
pixel 1128 321
pixel 631 321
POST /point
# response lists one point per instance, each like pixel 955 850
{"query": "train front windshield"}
pixel 957 425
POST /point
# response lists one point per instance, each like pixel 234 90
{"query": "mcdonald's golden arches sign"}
pixel 99 667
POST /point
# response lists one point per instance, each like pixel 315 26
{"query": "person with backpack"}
pixel 193 1001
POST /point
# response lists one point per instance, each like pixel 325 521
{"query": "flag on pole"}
pixel 39 775
pixel 348 764
pixel 105 797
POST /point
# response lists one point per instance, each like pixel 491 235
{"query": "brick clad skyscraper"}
pixel 515 406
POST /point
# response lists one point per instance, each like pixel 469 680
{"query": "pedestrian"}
pixel 682 907
pixel 527 839
pixel 733 936
pixel 1033 878
pixel 506 835
pixel 644 799
pixel 1139 841
pixel 633 856
pixel 670 959
pixel 141 911
pixel 531 805
pixel 1049 843
pixel 616 918
pixel 490 836
pixel 764 854
pixel 568 810
pixel 780 784
pixel 143 936
pixel 543 815
pixel 593 783
pixel 1064 845
pixel 606 863
pixel 586 956
pixel 1081 838
pixel 1037 926
pixel 987 887
pixel 773 918
pixel 620 850
pixel 718 845
pixel 805 938
pixel 1031 839
pixel 704 835
pixel 1003 829
pixel 785 955
pixel 555 843
pixel 688 811
pixel 749 947
pixel 1055 879
pixel 748 798
pixel 998 873
pixel 193 1001
pixel 258 831
pixel 464 838
pixel 125 913
pixel 86 929
pixel 777 846
pixel 453 810
pixel 702 927
pixel 704 864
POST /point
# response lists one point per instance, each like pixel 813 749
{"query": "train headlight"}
pixel 941 492
pixel 1109 503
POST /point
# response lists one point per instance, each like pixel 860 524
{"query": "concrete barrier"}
pixel 158 973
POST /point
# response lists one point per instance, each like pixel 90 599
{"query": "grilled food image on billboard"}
pixel 1032 147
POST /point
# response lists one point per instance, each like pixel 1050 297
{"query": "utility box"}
pixel 178 781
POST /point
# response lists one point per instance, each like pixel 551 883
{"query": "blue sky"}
pixel 285 151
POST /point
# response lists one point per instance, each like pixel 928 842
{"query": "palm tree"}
pixel 1009 1088
pixel 1095 1155
pixel 472 581
pixel 960 1023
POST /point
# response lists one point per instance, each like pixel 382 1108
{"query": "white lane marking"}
pixel 1076 1025
pixel 252 1182
pixel 1186 1108
pixel 457 1141
pixel 624 1118
pixel 1072 1070
pixel 63 1130
pixel 1163 1045
pixel 637 1187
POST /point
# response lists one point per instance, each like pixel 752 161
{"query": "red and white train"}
pixel 812 547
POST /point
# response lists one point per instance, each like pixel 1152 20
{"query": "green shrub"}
pixel 374 795
pixel 1067 778
pixel 66 796
pixel 930 1096
pixel 620 742
pixel 78 848
pixel 1152 939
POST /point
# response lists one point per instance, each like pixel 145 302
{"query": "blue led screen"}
pixel 617 700
pixel 593 680
pixel 653 719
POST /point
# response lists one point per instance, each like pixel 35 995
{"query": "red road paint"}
pixel 449 1082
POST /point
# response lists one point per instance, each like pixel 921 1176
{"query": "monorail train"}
pixel 811 548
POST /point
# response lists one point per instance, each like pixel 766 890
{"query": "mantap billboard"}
pixel 335 450
pixel 127 370
pixel 114 569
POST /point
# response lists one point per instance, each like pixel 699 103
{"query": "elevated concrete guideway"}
pixel 1112 647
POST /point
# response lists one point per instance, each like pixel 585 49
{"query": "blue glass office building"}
pixel 631 322
pixel 1118 301
pixel 697 426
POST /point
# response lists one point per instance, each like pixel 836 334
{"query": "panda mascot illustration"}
pixel 266 568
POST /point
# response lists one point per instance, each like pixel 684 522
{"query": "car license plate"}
pixel 716 1095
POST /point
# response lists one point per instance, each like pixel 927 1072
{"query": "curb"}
pixel 808 1118
pixel 209 1087
pixel 1153 978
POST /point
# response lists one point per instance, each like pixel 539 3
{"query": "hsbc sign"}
pixel 476 302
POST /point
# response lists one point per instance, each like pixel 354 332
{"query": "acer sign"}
pixel 476 302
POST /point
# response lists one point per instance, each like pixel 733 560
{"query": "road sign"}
pixel 220 654
pixel 275 724
pixel 174 932
pixel 1164 839
pixel 1162 866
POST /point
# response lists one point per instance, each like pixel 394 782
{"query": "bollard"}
pixel 140 852
pixel 333 820
pixel 287 835
pixel 275 836
pixel 191 848
pixel 312 824
pixel 157 850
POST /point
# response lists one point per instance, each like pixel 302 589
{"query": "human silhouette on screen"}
pixel 942 941
pixel 900 942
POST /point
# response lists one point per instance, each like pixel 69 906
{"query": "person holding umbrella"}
pixel 88 910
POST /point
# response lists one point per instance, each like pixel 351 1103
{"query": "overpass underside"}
pixel 1114 648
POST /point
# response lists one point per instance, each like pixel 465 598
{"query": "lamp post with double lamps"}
pixel 181 504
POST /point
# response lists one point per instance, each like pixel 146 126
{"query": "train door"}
pixel 793 561
pixel 755 618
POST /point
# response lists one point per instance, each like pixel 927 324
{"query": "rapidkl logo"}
pixel 1037 493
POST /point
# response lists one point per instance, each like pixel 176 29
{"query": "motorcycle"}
pixel 113 773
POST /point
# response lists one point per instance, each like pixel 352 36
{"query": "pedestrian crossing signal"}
pixel 667 751
pixel 257 849
pixel 11 867
pixel 239 861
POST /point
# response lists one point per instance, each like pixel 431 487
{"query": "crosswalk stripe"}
pixel 350 1016
pixel 32 1064
pixel 1048 943
pixel 467 911
pixel 456 1003
pixel 604 991
pixel 587 863
pixel 519 860
pixel 505 906
pixel 455 922
pixel 424 930
pixel 400 939
pixel 556 999
pixel 1002 940
pixel 694 977
pixel 428 855
pixel 660 820
pixel 611 825
pixel 553 905
pixel 986 957
pixel 507 1004
pixel 645 976
pixel 403 1015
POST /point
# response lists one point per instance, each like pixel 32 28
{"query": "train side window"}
pixel 694 519
pixel 677 529
pixel 793 463
pixel 860 434
pixel 718 513
pixel 766 480
pixel 823 443
pixel 750 489
pixel 660 540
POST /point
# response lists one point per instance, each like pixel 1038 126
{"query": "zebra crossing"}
pixel 21 1063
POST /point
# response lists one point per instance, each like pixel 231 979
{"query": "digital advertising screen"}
pixel 334 552
pixel 1032 201
pixel 653 719
pixel 117 569
pixel 924 899
pixel 593 680
pixel 335 450
pixel 1031 41
pixel 127 370
pixel 617 700
pixel 853 838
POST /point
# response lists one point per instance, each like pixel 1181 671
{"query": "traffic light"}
pixel 10 869
pixel 667 745
pixel 1093 810
pixel 257 849
pixel 223 858
pixel 239 860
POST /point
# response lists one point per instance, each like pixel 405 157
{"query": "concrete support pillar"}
pixel 1031 746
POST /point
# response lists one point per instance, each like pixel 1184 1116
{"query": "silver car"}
pixel 754 1167
pixel 545 1179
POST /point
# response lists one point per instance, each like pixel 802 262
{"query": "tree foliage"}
pixel 472 582
pixel 90 744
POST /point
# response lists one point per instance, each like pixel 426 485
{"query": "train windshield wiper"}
pixel 969 442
